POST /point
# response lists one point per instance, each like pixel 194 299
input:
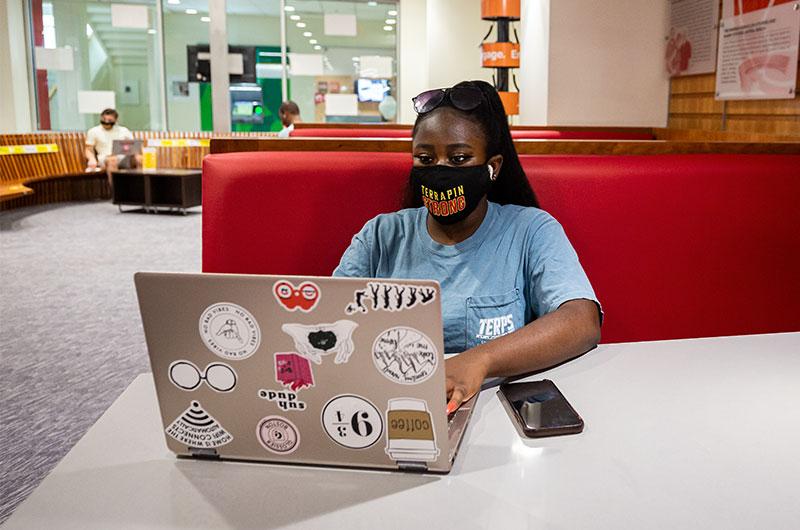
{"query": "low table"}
pixel 701 433
pixel 160 188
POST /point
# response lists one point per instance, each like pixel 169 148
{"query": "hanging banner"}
pixel 692 40
pixel 758 51
pixel 732 8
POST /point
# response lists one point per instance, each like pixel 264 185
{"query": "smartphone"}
pixel 539 409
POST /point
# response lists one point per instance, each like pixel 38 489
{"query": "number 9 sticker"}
pixel 352 421
pixel 305 297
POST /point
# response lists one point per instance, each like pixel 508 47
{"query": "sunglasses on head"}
pixel 464 98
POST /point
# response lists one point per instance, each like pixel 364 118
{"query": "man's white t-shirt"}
pixel 103 140
pixel 286 131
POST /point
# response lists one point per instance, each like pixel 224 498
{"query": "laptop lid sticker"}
pixel 352 421
pixel 303 297
pixel 383 296
pixel 230 331
pixel 197 428
pixel 314 341
pixel 405 355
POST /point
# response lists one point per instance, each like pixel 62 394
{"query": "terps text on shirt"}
pixel 444 203
pixel 491 328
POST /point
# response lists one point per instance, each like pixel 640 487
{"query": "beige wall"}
pixel 15 109
pixel 601 63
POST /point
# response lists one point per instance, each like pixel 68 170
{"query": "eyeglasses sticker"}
pixel 186 376
pixel 278 435
pixel 352 421
pixel 405 355
pixel 230 331
pixel 389 297
pixel 197 428
pixel 314 341
pixel 409 431
pixel 304 297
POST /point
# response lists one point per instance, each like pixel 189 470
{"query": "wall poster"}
pixel 692 39
pixel 758 47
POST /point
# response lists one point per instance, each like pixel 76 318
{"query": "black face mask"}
pixel 450 193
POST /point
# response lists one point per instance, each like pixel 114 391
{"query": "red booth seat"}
pixel 676 246
pixel 516 134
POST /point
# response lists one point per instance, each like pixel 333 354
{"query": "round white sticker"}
pixel 278 435
pixel 230 331
pixel 404 355
pixel 352 421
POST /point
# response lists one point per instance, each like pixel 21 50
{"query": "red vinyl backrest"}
pixel 516 134
pixel 675 246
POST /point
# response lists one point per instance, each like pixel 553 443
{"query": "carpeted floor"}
pixel 70 332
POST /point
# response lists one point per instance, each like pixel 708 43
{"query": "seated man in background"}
pixel 100 142
pixel 289 113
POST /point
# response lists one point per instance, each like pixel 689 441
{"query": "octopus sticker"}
pixel 314 341
pixel 409 433
pixel 230 331
pixel 278 435
pixel 197 428
pixel 405 355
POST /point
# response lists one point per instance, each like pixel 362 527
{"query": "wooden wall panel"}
pixel 692 106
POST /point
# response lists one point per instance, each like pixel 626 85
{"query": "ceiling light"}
pixel 388 28
pixel 205 19
pixel 289 8
pixel 317 47
pixel 312 41
pixel 391 21
pixel 301 24
pixel 191 11
pixel 372 4
pixel 392 13
pixel 307 34
pixel 295 17
pixel 174 2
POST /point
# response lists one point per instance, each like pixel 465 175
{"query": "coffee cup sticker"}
pixel 352 421
pixel 409 431
pixel 304 297
pixel 278 435
pixel 197 428
pixel 230 331
pixel 404 355
pixel 187 376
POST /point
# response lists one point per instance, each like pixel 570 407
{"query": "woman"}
pixel 514 296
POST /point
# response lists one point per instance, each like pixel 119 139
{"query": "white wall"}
pixel 15 108
pixel 412 56
pixel 605 63
pixel 438 47
pixel 533 78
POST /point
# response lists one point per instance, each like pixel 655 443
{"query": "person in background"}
pixel 100 142
pixel 514 296
pixel 289 113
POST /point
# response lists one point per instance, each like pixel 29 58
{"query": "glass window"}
pixel 355 78
pixel 86 58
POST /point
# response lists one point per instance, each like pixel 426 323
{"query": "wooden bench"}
pixel 51 166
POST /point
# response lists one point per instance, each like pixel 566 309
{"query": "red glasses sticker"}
pixel 304 297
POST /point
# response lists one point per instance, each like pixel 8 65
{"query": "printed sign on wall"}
pixel 758 50
pixel 692 39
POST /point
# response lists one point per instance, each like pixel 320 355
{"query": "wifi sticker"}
pixel 197 428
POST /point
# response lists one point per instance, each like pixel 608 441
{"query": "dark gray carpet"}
pixel 70 332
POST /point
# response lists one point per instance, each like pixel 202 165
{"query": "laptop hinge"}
pixel 205 454
pixel 419 467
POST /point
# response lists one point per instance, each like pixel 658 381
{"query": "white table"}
pixel 679 434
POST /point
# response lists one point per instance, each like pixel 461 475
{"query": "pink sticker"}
pixel 293 371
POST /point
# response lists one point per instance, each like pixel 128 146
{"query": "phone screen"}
pixel 540 409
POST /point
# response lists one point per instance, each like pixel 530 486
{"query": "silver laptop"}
pixel 301 370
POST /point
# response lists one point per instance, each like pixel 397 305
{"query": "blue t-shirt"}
pixel 518 265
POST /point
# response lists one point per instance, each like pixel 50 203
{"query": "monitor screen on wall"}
pixel 372 89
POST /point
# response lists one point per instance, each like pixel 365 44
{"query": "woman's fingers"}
pixel 456 398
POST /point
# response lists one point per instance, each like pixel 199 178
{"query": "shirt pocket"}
pixel 492 316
